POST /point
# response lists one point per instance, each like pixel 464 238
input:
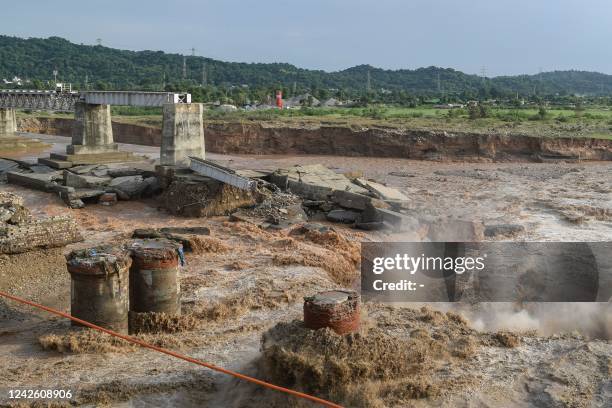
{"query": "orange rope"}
pixel 174 354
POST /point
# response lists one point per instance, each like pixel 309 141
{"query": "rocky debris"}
pixel 310 227
pixel 130 185
pixel 381 191
pixel 343 216
pixel 351 200
pixel 314 182
pixel 21 232
pixel 192 195
pixel 503 230
pixel 81 181
pixel 126 172
pixel 108 199
pixel 84 184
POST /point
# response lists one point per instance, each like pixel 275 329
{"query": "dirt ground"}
pixel 236 289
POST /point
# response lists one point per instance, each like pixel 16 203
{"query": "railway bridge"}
pixel 92 135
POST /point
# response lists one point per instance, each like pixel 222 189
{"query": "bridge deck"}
pixel 64 101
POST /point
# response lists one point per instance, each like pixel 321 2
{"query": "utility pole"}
pixel 368 82
pixel 192 51
pixel 86 82
pixel 204 73
pixel 483 72
pixel 184 67
pixel 55 77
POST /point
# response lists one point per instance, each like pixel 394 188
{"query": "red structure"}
pixel 337 309
pixel 279 99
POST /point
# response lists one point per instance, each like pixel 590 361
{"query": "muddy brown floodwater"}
pixel 243 281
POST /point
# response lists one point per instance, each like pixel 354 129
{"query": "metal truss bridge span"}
pixel 65 101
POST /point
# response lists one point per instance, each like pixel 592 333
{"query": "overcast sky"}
pixel 504 36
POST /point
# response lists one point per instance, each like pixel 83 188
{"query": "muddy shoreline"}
pixel 262 138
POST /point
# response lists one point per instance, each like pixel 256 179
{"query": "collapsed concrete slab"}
pixel 313 182
pixel 381 191
pixel 36 181
pixel 83 181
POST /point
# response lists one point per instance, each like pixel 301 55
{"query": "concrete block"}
pixel 182 133
pixel 356 201
pixel 56 164
pixel 80 181
pixel 95 158
pixel 343 216
pixel 33 180
pixel 381 191
pixel 397 221
pixel 133 186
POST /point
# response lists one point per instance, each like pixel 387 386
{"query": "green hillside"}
pixel 110 68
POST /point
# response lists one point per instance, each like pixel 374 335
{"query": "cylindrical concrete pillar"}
pixel 99 291
pixel 154 277
pixel 8 122
pixel 339 310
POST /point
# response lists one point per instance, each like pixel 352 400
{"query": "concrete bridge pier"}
pixel 8 123
pixel 92 139
pixel 92 131
pixel 182 134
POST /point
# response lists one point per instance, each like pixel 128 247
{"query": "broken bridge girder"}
pixel 65 101
pixel 221 173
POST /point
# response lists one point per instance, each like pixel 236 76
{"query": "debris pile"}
pixel 389 364
pixel 78 185
pixel 21 232
pixel 362 203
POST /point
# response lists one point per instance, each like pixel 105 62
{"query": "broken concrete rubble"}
pixel 20 232
pixel 381 191
pixel 315 182
pixel 82 181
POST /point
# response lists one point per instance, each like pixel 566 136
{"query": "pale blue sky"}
pixel 505 36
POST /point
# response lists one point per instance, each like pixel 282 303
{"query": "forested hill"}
pixel 112 68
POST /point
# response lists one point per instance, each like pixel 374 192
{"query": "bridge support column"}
pixel 92 139
pixel 182 133
pixel 92 131
pixel 8 123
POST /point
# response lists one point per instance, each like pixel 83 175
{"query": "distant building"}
pixel 227 108
pixel 301 100
pixel 331 102
pixel 449 106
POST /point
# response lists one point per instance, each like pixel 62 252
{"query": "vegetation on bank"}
pixel 535 121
